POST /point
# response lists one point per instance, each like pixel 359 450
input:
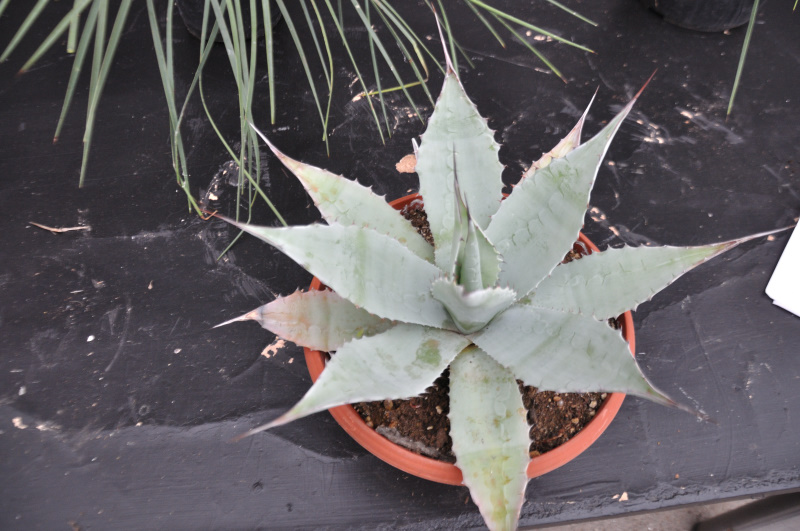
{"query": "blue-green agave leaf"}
pixel 481 267
pixel 456 129
pixel 564 352
pixel 538 223
pixel 369 269
pixel 477 262
pixel 607 284
pixel 567 144
pixel 319 320
pixel 347 202
pixel 489 429
pixel 401 362
pixel 470 311
pixel 459 234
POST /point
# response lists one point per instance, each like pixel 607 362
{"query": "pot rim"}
pixel 448 473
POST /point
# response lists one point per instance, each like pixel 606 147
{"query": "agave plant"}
pixel 491 299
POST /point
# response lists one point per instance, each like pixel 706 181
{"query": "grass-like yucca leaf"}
pixel 228 18
pixel 743 55
pixel 100 70
pixel 23 28
pixel 66 23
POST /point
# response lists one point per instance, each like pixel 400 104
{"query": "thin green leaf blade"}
pixel 486 23
pixel 369 269
pixel 380 92
pixel 74 28
pixel 319 320
pixel 457 134
pixel 489 429
pixel 304 61
pixel 3 6
pixel 392 22
pixel 572 12
pixel 327 66
pixel 100 80
pixel 540 31
pixel 532 48
pixel 450 38
pixel 471 311
pixel 743 55
pixel 77 66
pixel 65 23
pixel 269 44
pixel 399 363
pixel 538 223
pixel 313 31
pixel 329 55
pixel 337 22
pixel 347 202
pixel 420 43
pixel 564 352
pixel 23 28
pixel 386 57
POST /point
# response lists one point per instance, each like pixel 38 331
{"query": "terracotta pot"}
pixel 434 470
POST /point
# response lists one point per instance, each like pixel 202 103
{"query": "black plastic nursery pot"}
pixel 703 15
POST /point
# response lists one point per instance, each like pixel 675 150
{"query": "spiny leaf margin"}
pixel 456 131
pixel 403 362
pixel 369 269
pixel 490 436
pixel 319 320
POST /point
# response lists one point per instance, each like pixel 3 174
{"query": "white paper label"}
pixel 784 286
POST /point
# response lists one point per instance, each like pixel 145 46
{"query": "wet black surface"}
pixel 118 398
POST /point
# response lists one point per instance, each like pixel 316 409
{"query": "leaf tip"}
pixel 649 79
pixel 283 419
pixel 249 316
pixel 450 70
pixel 730 244
pixel 270 145
pixel 660 398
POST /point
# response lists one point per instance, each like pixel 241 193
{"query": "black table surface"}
pixel 119 399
